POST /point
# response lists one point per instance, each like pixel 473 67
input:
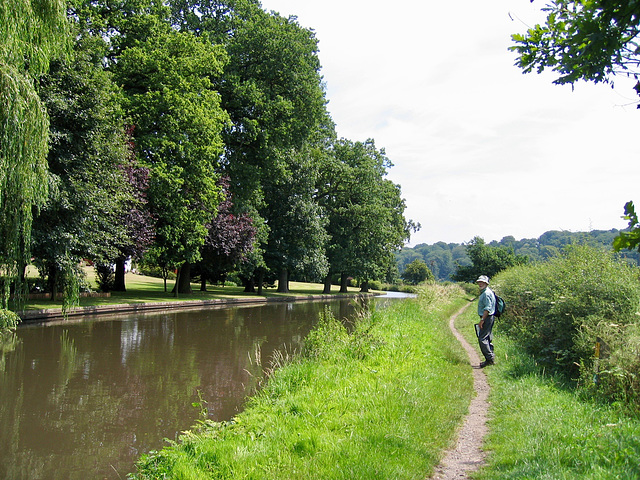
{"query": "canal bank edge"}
pixel 51 314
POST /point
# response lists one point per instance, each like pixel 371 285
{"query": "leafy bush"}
pixel 155 271
pixel 234 278
pixel 616 374
pixel 395 287
pixel 391 287
pixel 408 289
pixel 105 276
pixel 469 288
pixel 558 309
pixel 8 320
pixel 375 285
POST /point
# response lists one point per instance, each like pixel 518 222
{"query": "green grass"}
pixel 540 428
pixel 144 289
pixel 381 402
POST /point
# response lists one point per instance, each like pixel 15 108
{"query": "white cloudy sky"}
pixel 479 148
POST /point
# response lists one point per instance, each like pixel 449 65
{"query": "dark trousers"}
pixel 485 338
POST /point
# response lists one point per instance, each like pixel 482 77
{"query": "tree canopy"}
pixel 151 106
pixel 365 211
pixel 178 124
pixel 443 259
pixel 486 260
pixel 417 272
pixel 88 190
pixel 592 40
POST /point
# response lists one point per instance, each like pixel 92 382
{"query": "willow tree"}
pixel 31 32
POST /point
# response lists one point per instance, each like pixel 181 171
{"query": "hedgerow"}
pixel 561 309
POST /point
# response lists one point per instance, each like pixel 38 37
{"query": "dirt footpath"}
pixel 467 456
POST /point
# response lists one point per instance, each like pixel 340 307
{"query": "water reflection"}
pixel 84 400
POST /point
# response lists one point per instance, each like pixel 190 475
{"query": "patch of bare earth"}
pixel 467 456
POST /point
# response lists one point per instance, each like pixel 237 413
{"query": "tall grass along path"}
pixel 467 455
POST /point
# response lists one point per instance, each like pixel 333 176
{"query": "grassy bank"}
pixel 541 428
pixel 382 402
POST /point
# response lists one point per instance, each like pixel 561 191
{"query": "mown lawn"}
pixel 145 289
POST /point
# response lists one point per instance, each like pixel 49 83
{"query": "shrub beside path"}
pixel 467 455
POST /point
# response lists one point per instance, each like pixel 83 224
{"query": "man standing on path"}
pixel 486 310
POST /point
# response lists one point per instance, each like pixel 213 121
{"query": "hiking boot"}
pixel 486 363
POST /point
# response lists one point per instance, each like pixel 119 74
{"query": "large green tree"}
pixel 31 33
pixel 169 94
pixel 365 212
pixel 88 191
pixel 417 272
pixel 297 235
pixel 385 230
pixel 274 95
pixel 272 90
pixel 486 260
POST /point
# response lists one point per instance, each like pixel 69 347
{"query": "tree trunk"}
pixel 283 281
pixel 165 275
pixel 22 270
pixel 364 286
pixel 53 281
pixel 203 281
pixel 260 281
pixel 119 282
pixel 183 282
pixel 175 285
pixel 249 284
pixel 343 283
pixel 327 284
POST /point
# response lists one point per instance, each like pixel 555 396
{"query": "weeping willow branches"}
pixel 31 33
pixel 23 167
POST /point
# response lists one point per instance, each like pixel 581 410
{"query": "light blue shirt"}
pixel 486 301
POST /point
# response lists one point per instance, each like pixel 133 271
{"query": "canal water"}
pixel 83 400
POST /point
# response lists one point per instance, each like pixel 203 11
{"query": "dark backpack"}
pixel 501 305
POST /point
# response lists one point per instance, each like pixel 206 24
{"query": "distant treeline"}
pixel 443 258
